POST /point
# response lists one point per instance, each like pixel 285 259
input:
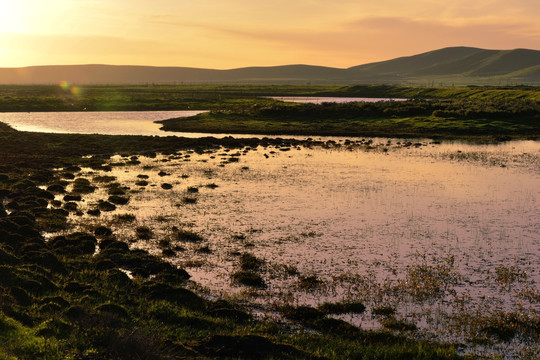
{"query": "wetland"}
pixel 271 247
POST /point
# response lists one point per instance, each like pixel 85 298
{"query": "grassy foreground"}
pixel 61 300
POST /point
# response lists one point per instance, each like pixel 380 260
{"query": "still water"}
pixel 445 234
pixel 325 99
pixel 96 122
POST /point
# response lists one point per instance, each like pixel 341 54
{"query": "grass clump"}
pixel 143 233
pixel 82 186
pixel 309 282
pixel 384 311
pixel 125 218
pixel 118 200
pixel 106 206
pixel 391 322
pixel 189 200
pixel 186 235
pixel 248 278
pixel 103 179
pixel 249 261
pixel 342 307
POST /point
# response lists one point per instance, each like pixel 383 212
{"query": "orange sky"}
pixel 237 33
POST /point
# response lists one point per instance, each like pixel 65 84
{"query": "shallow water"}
pixel 110 123
pixel 440 232
pixel 95 122
pixel 327 99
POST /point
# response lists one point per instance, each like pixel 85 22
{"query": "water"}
pixel 109 123
pixel 445 234
pixel 320 100
pixel 96 122
pixel 114 123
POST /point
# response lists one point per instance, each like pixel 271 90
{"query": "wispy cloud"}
pixel 241 32
pixel 387 37
pixel 80 49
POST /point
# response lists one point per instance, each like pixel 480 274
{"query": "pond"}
pixel 326 99
pixel 96 122
pixel 441 237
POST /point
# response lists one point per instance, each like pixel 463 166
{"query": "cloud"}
pixel 174 41
pixel 32 49
pixel 482 34
pixel 380 38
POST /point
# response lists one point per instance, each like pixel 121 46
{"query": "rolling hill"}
pixel 459 65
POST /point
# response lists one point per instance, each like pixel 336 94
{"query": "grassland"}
pixel 221 97
pixel 531 93
pixel 455 118
pixel 135 98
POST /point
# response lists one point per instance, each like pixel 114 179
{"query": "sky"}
pixel 229 34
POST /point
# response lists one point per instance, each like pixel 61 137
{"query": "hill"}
pixel 453 65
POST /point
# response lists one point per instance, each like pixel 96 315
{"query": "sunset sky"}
pixel 236 33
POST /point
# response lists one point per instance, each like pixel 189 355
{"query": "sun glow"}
pixel 13 17
pixel 241 33
pixel 7 22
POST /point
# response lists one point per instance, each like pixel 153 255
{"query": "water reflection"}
pixel 429 230
pixel 94 122
pixel 327 99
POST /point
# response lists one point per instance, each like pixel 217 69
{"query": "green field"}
pixel 443 118
pixel 144 97
pixel 221 97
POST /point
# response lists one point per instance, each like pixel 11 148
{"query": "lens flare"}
pixel 64 85
pixel 73 89
pixel 76 90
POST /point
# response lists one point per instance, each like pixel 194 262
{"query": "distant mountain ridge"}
pixel 466 65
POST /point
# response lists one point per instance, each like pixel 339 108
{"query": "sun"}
pixel 14 17
pixel 7 21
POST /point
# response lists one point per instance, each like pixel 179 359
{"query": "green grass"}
pixel 430 92
pixel 20 342
pixel 441 119
pixel 159 97
pixel 223 97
